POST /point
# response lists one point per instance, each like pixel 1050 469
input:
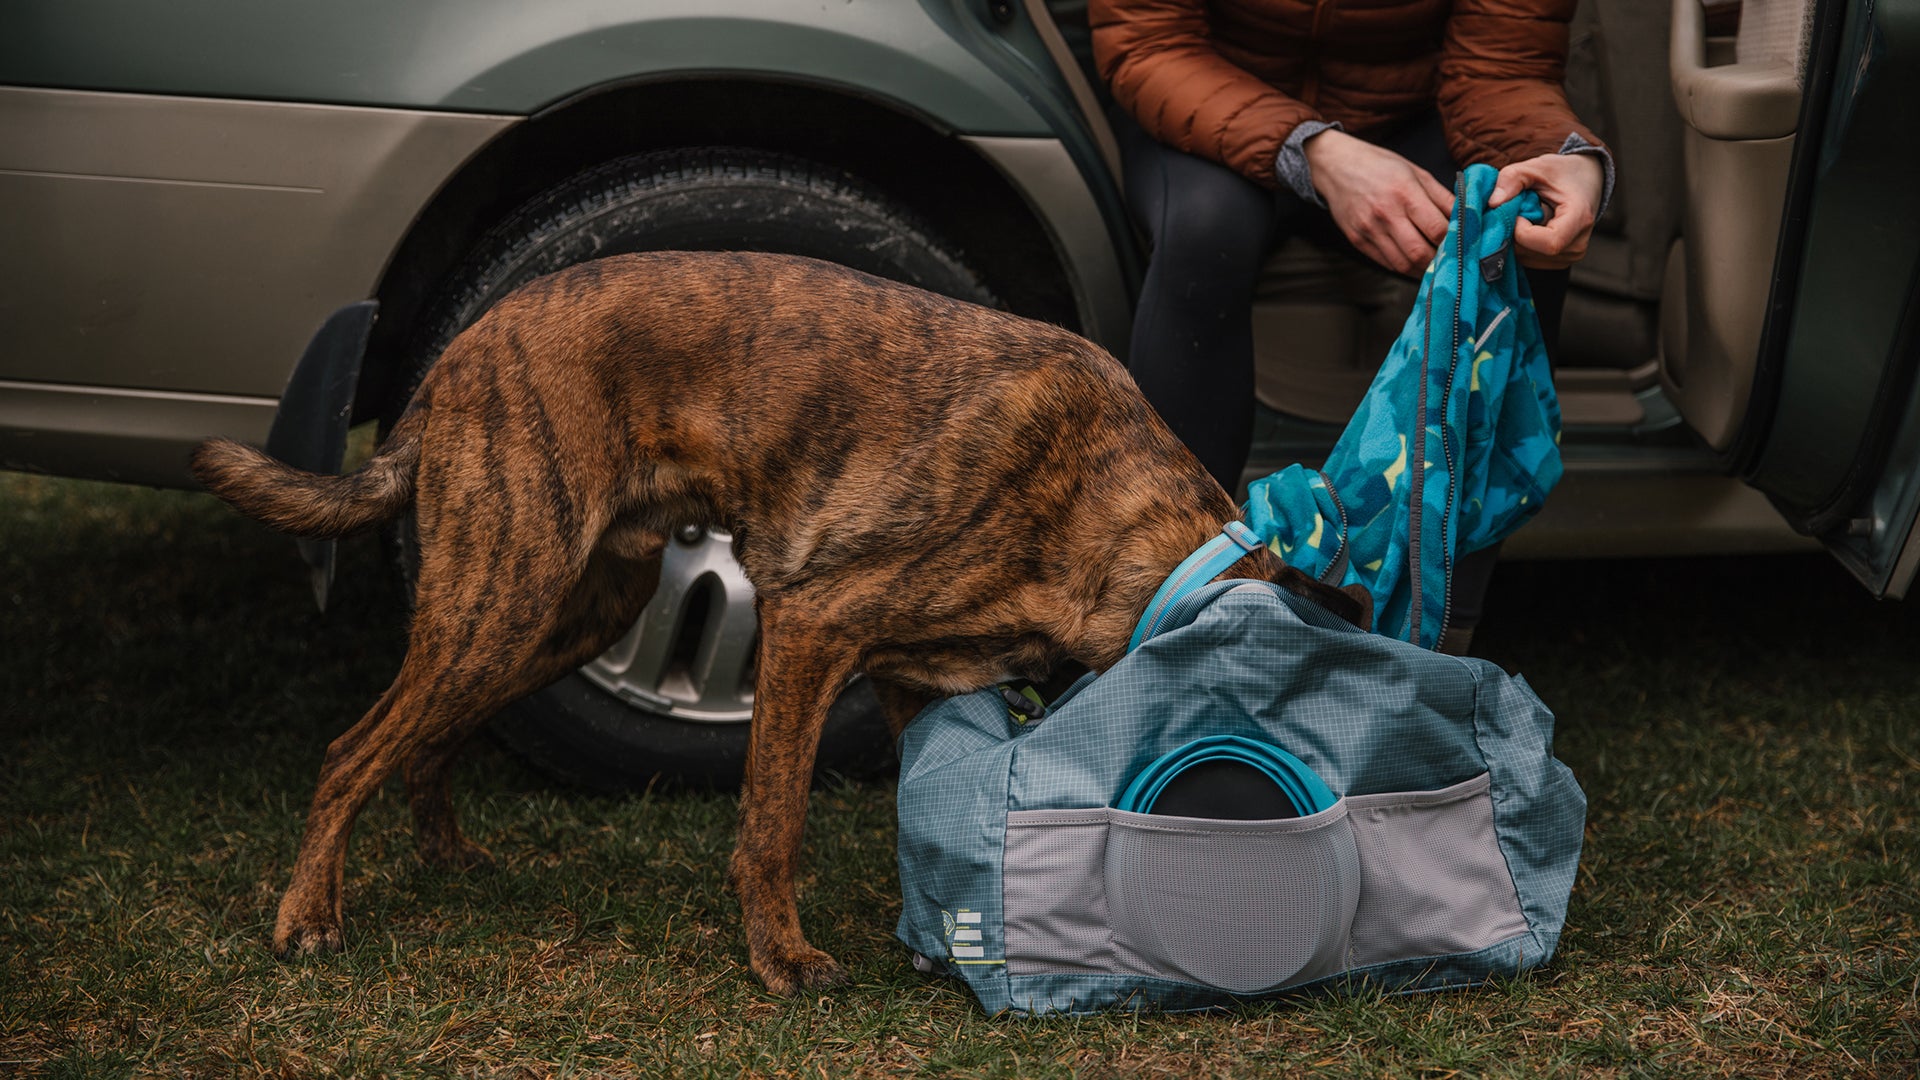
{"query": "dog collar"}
pixel 1234 543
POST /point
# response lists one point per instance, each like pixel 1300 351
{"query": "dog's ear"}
pixel 1363 598
pixel 1351 602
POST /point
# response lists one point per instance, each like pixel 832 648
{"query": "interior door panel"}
pixel 1738 134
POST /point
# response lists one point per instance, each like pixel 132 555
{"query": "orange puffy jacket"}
pixel 1228 80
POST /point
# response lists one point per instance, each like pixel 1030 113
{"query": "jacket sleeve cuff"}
pixel 1297 176
pixel 1574 145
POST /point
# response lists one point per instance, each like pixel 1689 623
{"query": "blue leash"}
pixel 1234 543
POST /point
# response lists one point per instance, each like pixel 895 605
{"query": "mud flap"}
pixel 310 426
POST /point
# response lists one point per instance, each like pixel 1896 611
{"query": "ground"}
pixel 1748 732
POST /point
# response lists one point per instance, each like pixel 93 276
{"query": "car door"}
pixel 1789 317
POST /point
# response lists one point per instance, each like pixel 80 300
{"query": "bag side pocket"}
pixel 1053 893
pixel 1433 879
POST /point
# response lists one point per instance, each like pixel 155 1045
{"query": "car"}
pixel 188 191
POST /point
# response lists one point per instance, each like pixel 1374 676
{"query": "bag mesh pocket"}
pixel 1239 905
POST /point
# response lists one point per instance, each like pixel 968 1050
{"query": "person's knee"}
pixel 1188 202
pixel 1209 237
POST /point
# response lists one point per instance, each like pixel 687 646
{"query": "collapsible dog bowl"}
pixel 1230 899
pixel 1229 777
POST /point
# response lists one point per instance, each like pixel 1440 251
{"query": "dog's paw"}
pixel 810 970
pixel 301 939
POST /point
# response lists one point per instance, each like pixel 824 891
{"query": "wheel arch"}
pixel 909 157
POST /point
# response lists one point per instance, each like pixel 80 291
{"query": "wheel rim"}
pixel 691 653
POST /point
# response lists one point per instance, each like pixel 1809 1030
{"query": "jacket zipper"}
pixel 1337 566
pixel 1446 447
pixel 1417 446
pixel 1416 466
pixel 1310 87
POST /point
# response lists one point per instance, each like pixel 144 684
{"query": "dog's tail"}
pixel 310 504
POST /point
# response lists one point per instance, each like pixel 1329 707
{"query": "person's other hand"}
pixel 1394 211
pixel 1570 185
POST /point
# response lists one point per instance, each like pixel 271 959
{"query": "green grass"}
pixel 1748 732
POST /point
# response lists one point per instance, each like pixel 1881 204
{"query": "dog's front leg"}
pixel 802 669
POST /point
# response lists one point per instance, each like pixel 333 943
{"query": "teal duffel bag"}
pixel 1418 833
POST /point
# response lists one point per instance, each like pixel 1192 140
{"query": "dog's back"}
pixel 840 424
pixel 999 471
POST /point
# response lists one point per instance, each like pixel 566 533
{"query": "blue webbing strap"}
pixel 1210 561
pixel 1304 789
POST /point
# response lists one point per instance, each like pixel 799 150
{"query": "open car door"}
pixel 1789 317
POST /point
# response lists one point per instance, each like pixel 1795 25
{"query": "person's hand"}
pixel 1570 185
pixel 1394 211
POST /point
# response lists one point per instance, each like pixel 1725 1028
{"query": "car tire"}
pixel 641 714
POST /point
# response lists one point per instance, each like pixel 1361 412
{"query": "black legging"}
pixel 1192 348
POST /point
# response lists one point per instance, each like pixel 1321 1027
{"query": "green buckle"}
pixel 1025 706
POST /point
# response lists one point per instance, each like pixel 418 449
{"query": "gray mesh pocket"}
pixel 1434 880
pixel 1053 892
pixel 1239 905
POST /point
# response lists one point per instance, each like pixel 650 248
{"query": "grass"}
pixel 1746 730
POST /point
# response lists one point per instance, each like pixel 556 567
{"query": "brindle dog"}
pixel 927 491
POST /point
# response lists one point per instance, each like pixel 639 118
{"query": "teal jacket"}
pixel 1470 375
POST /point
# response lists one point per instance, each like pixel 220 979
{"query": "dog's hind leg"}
pixel 424 701
pixel 603 605
pixel 802 669
pixel 484 612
